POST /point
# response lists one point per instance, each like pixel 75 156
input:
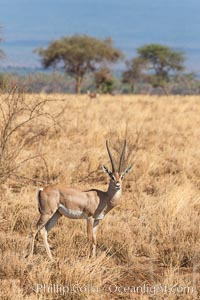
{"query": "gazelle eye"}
pixel 113 178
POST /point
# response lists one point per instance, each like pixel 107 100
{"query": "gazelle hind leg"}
pixel 52 221
pixel 31 246
pixel 40 224
pixel 44 231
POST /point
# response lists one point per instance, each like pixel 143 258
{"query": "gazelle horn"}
pixel 122 157
pixel 111 160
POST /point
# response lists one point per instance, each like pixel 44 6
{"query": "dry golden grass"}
pixel 150 241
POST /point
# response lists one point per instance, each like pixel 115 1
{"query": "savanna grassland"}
pixel 148 246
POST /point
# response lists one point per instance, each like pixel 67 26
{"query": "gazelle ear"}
pixel 127 170
pixel 105 169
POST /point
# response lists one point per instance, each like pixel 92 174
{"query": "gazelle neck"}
pixel 112 192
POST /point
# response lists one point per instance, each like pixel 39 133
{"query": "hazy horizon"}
pixel 131 24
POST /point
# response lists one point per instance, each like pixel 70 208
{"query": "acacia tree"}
pixel 2 54
pixel 79 55
pixel 104 80
pixel 134 71
pixel 162 61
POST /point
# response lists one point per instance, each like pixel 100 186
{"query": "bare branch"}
pixel 18 116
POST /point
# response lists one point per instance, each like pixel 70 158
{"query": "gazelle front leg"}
pixel 94 237
pixel 90 222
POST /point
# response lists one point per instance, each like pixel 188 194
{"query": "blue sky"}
pixel 28 24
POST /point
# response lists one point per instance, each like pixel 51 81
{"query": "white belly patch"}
pixel 70 213
pixel 100 216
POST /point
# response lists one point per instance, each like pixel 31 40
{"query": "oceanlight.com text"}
pixel 112 288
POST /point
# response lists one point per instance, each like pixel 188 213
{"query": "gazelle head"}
pixel 117 176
